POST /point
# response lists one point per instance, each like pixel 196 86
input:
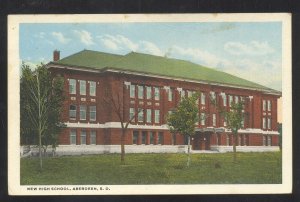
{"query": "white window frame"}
pixel 202 121
pixel 264 123
pixel 269 140
pixel 72 86
pixel 140 115
pixel 170 94
pixel 230 100
pixel 148 92
pixel 236 99
pixel 149 116
pixel 82 109
pixel 82 87
pixel 73 135
pixel 269 105
pixel 132 91
pixel 93 112
pixel 156 93
pixel 156 116
pixel 83 137
pixel 214 120
pixel 140 92
pixel 151 137
pixel 72 111
pixel 224 100
pixel 131 113
pixel 203 97
pixel 269 123
pixel 264 105
pixel 93 136
pixel 92 88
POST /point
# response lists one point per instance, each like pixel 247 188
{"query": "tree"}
pixel 183 119
pixel 114 100
pixel 234 118
pixel 41 102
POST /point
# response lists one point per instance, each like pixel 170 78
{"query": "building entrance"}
pixel 201 141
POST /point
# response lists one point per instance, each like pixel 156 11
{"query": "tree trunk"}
pixel 189 148
pixel 234 147
pixel 40 150
pixel 123 147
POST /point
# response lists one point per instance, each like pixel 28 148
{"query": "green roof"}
pixel 156 65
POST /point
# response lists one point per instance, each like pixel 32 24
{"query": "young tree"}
pixel 234 118
pixel 114 100
pixel 183 119
pixel 41 106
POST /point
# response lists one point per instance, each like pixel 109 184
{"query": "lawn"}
pixel 251 168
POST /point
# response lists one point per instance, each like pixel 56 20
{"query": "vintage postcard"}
pixel 149 104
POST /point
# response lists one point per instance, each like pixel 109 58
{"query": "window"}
pixel 92 88
pixel 144 137
pixel 202 98
pixel 72 86
pixel 269 105
pixel 92 113
pixel 149 116
pixel 214 120
pixel 269 140
pixel 227 140
pixel 151 137
pixel 160 138
pixel 225 123
pixel 202 118
pixel 140 92
pixel 190 93
pixel 264 123
pixel 131 113
pixel 140 115
pixel 82 112
pixel 73 136
pixel 264 140
pixel 239 140
pixel 132 91
pixel 236 99
pixel 156 93
pixel 135 137
pixel 170 94
pixel 243 122
pixel 83 137
pixel 225 100
pixel 213 95
pixel 264 105
pixel 182 94
pixel 149 92
pixel 157 116
pixel 269 123
pixel 82 87
pixel 93 137
pixel 230 100
pixel 72 112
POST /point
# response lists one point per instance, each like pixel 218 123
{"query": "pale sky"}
pixel 249 50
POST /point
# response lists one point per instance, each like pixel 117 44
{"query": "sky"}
pixel 250 50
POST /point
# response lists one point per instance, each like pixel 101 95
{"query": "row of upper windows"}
pixel 149 92
pixel 267 104
pixel 83 137
pixel 83 112
pixel 82 87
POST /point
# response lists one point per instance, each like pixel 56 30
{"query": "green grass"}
pixel 251 168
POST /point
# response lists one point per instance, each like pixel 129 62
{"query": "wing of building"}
pixel 100 84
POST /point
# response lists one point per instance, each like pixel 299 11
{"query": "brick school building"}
pixel 98 84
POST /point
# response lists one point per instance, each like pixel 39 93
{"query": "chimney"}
pixel 56 55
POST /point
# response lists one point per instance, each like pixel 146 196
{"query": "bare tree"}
pixel 114 100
